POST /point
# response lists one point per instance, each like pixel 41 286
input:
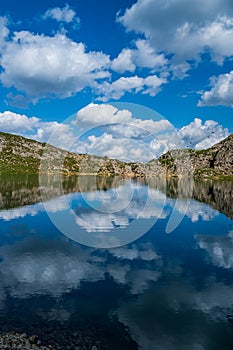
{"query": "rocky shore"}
pixel 13 340
pixel 21 341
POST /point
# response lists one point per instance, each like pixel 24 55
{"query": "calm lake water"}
pixel 132 264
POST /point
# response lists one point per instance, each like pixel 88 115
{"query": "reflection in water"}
pixel 159 292
pixel 25 189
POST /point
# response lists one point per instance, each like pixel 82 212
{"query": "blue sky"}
pixel 59 57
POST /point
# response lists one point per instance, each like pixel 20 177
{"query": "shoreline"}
pixel 125 176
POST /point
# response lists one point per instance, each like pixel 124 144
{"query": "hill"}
pixel 214 161
pixel 21 155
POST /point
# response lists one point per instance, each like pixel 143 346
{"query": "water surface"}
pixel 92 255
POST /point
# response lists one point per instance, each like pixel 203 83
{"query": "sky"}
pixel 71 66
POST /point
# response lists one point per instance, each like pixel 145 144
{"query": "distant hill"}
pixel 21 155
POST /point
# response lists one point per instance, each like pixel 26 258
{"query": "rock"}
pixel 32 339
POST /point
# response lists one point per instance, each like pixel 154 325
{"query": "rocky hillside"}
pixel 214 161
pixel 21 155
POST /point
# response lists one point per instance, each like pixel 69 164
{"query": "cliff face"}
pixel 21 155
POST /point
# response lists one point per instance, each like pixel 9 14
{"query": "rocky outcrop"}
pixel 214 161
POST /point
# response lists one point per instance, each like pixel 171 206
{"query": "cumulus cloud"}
pixel 41 66
pixel 54 66
pixel 150 85
pixel 146 56
pixel 185 32
pixel 20 123
pixel 143 56
pixel 122 148
pixel 97 114
pixel 100 114
pixel 65 14
pixel 120 135
pixel 41 272
pixel 35 128
pixel 221 92
pixel 124 62
pixel 199 135
pixel 123 136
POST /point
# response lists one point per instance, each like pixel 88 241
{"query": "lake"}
pixel 117 263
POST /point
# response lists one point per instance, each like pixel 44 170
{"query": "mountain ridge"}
pixel 22 155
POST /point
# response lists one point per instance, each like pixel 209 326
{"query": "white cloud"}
pixel 185 31
pixel 150 85
pixel 4 31
pixel 221 92
pixel 42 66
pixel 65 14
pixel 35 128
pixel 100 114
pixel 122 148
pixel 13 214
pixel 55 66
pixel 180 70
pixel 199 135
pixel 19 123
pixel 97 114
pixel 45 273
pixel 124 62
pixel 118 88
pixel 122 135
pixel 143 56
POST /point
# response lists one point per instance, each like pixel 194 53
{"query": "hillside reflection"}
pixel 22 190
